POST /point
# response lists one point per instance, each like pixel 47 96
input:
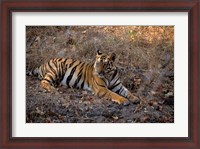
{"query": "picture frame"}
pixel 7 7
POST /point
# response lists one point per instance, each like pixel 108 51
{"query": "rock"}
pixel 169 94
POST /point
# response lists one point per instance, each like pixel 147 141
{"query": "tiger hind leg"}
pixel 46 83
pixel 47 86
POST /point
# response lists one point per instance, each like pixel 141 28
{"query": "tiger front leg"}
pixel 132 98
pixel 123 91
pixel 113 96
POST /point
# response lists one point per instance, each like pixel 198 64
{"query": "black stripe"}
pixel 104 80
pixel 65 61
pixel 82 85
pixel 121 91
pixel 62 65
pixel 60 59
pixel 99 84
pixel 81 69
pixel 54 62
pixel 114 85
pixel 51 79
pixel 61 71
pixel 79 75
pixel 116 81
pixel 77 81
pixel 104 94
pixel 52 69
pixel 71 74
pixel 56 67
pixel 118 90
pixel 47 80
pixel 70 65
pixel 115 73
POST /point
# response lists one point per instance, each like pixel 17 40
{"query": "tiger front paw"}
pixel 123 101
pixel 134 99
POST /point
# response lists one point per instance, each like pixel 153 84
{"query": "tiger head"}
pixel 104 64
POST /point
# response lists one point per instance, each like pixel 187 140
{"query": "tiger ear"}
pixel 113 57
pixel 99 52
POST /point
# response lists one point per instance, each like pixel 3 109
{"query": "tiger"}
pixel 101 77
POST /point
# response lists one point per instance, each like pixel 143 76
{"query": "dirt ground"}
pixel 145 61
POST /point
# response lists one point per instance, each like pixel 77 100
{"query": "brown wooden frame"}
pixel 9 6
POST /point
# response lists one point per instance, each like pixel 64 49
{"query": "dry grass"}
pixel 137 46
pixel 149 48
